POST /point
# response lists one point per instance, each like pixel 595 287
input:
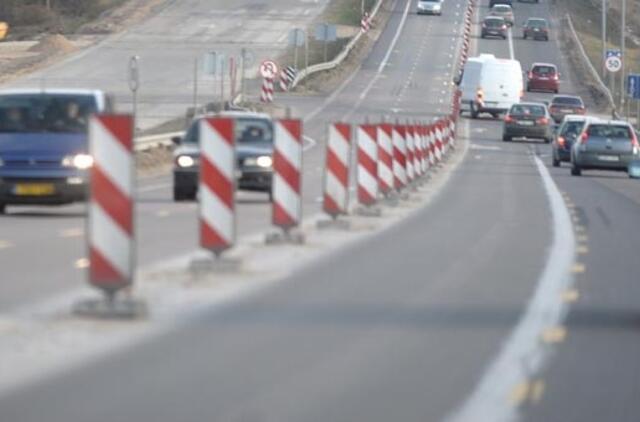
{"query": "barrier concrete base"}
pixel 371 211
pixel 214 264
pixel 391 199
pixel 111 308
pixel 333 224
pixel 293 237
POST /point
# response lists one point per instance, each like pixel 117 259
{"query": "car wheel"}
pixel 495 115
pixel 547 140
pixel 270 194
pixel 555 162
pixel 528 88
pixel 474 111
pixel 3 209
pixel 576 170
pixel 506 138
pixel 180 195
pixel 524 36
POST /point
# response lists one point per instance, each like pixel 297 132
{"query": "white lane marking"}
pixel 395 37
pixel 5 244
pixel 522 355
pixel 72 232
pixel 331 98
pixel 310 143
pixel 512 54
pixel 151 188
pixel 485 147
pixel 81 263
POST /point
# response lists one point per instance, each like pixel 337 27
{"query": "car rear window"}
pixel 610 131
pixel 572 129
pixel 527 110
pixel 567 101
pixel 544 70
pixel 537 23
pixel 494 22
pixel 503 8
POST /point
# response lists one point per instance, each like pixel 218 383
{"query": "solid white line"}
pixel 143 189
pixel 523 355
pixel 384 61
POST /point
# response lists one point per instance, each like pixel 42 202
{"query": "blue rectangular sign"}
pixel 633 86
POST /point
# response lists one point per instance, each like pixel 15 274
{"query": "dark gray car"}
pixel 254 150
pixel 605 145
pixel 528 120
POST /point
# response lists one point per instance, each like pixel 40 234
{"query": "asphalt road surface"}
pixel 170 41
pixel 404 327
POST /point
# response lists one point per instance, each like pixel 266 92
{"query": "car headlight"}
pixel 263 161
pixel 185 161
pixel 79 161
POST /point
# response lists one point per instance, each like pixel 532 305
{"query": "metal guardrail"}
pixel 586 59
pixel 144 143
pixel 320 67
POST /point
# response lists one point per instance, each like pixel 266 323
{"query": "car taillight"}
pixel 504 26
pixel 542 121
pixel 555 77
pixel 581 111
pixel 484 25
pixel 553 108
pixel 584 138
pixel 561 141
pixel 530 75
pixel 634 139
pixel 508 119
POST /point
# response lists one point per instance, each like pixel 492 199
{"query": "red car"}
pixel 543 77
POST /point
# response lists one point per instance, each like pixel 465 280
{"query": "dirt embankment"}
pixel 35 47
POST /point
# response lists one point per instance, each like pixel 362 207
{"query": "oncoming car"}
pixel 44 151
pixel 528 120
pixel 430 7
pixel 254 151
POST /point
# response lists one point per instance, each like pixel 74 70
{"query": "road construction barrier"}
pixel 399 157
pixel 287 76
pixel 365 22
pixel 266 94
pixel 336 178
pixel 367 173
pixel 111 206
pixel 411 153
pixel 439 144
pixel 217 184
pixel 423 149
pixel 287 167
pixel 432 145
pixel 385 158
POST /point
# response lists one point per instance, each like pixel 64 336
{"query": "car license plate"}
pixel 34 189
pixel 567 110
pixel 608 158
pixel 525 122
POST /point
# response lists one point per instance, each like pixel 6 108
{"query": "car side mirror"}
pixel 176 140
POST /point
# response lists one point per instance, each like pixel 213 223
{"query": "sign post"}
pixel 633 91
pixel 297 37
pixel 134 84
pixel 326 32
pixel 613 64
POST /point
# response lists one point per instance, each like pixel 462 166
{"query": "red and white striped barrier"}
pixel 432 145
pixel 365 22
pixel 438 141
pixel 423 149
pixel 266 94
pixel 385 158
pixel 287 167
pixel 411 153
pixel 367 174
pixel 336 179
pixel 111 206
pixel 217 184
pixel 399 157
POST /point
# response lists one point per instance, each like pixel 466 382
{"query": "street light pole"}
pixel 623 33
pixel 604 37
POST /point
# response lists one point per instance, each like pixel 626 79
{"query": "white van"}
pixel 490 85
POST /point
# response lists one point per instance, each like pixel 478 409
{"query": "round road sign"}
pixel 613 64
pixel 268 69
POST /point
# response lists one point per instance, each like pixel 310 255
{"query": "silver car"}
pixel 605 145
pixel 429 7
pixel 503 11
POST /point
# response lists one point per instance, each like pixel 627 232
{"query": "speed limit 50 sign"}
pixel 613 61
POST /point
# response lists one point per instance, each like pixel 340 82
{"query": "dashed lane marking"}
pixel 72 232
pixel 5 244
pixel 582 250
pixel 570 295
pixel 554 335
pixel 578 268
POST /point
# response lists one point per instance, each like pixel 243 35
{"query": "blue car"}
pixel 44 148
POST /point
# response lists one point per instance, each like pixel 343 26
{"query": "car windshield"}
pixel 544 70
pixel 430 1
pixel 36 113
pixel 501 9
pixel 537 23
pixel 572 129
pixel 527 110
pixel 248 130
pixel 610 131
pixel 494 22
pixel 567 101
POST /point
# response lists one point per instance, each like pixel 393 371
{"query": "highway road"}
pixel 169 42
pixel 512 296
